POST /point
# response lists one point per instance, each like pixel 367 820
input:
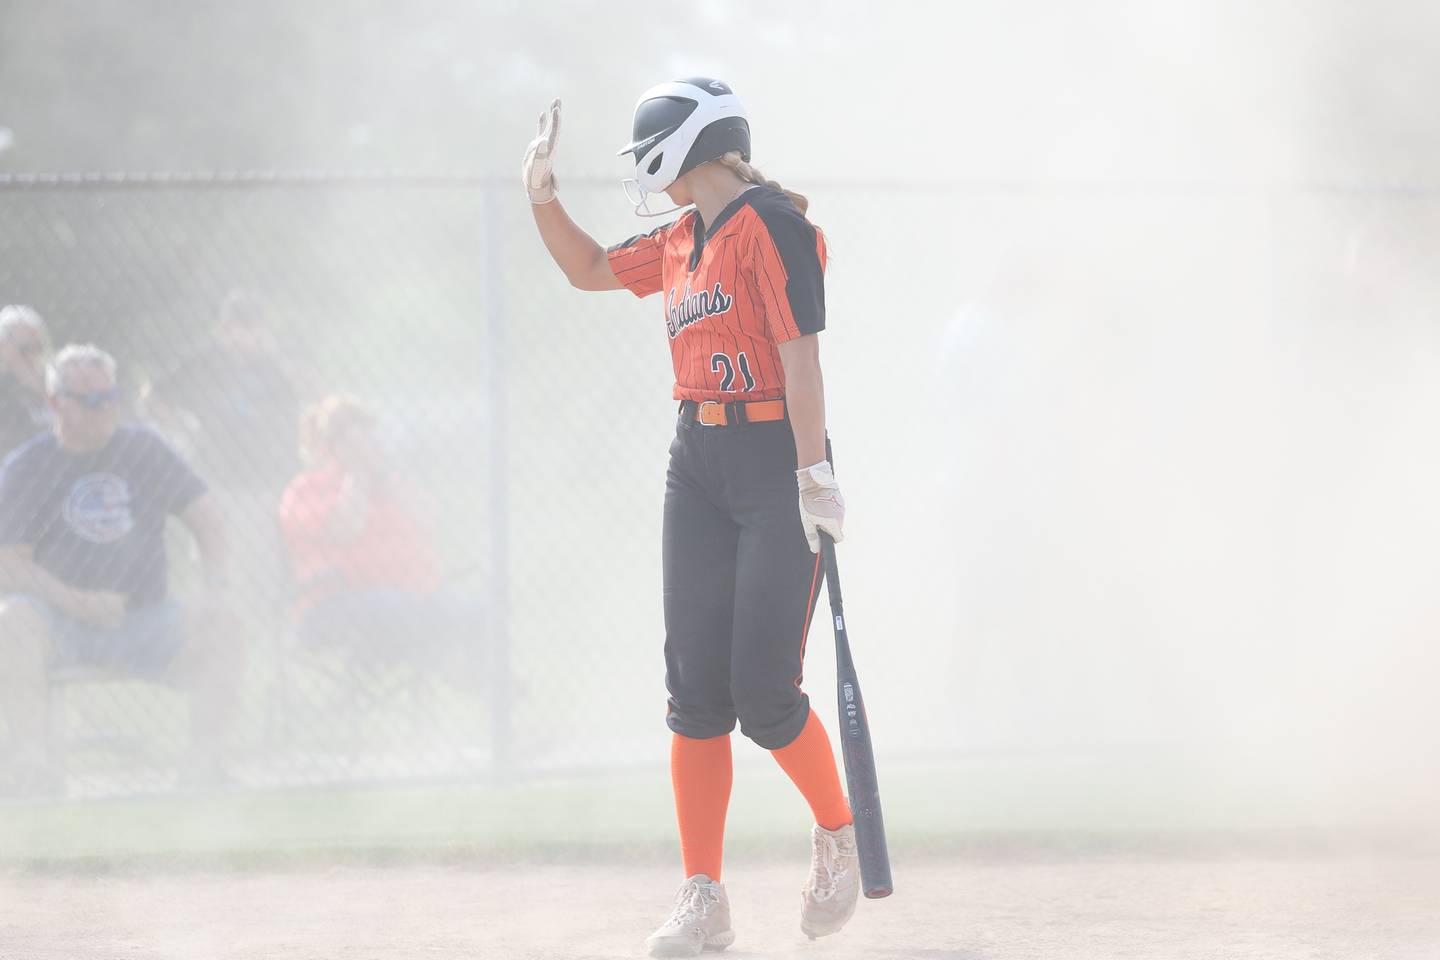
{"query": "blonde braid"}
pixel 751 175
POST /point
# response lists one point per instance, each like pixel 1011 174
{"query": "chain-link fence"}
pixel 259 323
pixel 250 319
pixel 322 349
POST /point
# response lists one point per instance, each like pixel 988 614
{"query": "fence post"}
pixel 498 632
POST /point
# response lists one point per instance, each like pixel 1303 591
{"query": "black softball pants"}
pixel 740 583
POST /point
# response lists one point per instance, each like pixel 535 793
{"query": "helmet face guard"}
pixel 640 198
pixel 680 125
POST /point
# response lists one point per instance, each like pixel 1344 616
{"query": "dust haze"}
pixel 1132 367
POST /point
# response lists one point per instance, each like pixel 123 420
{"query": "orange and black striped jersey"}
pixel 754 279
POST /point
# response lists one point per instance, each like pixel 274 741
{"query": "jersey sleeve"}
pixel 787 264
pixel 637 263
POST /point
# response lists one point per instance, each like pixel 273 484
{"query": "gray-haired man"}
pixel 83 567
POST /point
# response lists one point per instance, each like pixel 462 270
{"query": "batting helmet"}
pixel 682 124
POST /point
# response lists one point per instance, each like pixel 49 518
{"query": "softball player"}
pixel 740 271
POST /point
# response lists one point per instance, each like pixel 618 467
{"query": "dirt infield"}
pixel 1098 907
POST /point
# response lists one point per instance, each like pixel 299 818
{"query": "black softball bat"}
pixel 860 779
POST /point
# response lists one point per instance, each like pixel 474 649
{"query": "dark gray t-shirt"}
pixel 22 414
pixel 97 520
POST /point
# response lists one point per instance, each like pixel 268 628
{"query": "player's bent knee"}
pixel 773 719
pixel 700 725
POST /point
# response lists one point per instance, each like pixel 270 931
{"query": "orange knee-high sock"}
pixel 701 773
pixel 808 761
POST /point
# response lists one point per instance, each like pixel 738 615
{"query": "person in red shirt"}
pixel 740 272
pixel 366 575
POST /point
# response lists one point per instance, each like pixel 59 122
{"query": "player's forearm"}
pixel 805 398
pixel 574 251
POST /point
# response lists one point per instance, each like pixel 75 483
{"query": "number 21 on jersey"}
pixel 721 361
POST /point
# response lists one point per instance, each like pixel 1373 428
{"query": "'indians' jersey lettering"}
pixel 732 293
pixel 693 307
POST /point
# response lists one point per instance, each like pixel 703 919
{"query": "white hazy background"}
pixel 1133 356
pixel 1133 365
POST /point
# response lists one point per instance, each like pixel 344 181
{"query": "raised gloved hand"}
pixel 538 170
pixel 821 505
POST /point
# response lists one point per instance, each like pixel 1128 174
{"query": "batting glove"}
pixel 538 170
pixel 821 506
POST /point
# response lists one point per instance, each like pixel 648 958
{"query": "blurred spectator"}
pixel 231 406
pixel 83 572
pixel 232 403
pixel 24 351
pixel 366 575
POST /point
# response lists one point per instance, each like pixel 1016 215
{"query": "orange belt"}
pixel 712 413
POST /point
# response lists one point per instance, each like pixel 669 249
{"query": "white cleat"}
pixel 828 899
pixel 700 921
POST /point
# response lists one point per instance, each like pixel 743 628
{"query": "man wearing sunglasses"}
pixel 24 351
pixel 83 569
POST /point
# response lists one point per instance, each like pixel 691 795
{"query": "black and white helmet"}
pixel 680 125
